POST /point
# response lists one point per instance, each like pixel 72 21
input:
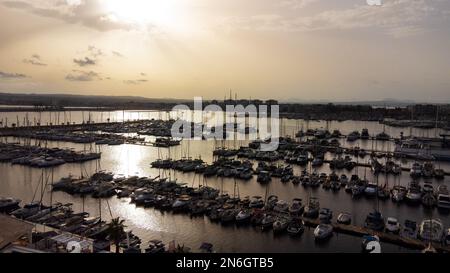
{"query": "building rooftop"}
pixel 12 229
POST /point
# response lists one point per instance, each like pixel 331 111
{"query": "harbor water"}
pixel 25 183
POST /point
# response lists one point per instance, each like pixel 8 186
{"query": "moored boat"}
pixel 392 225
pixel 8 205
pixel 267 221
pixel 414 193
pixel 244 216
pixel 398 193
pixel 410 230
pixel 431 230
pixel 281 206
pixel 312 209
pixel 325 215
pixel 296 207
pixel 256 202
pixel 344 218
pixel 375 221
pixel 296 227
pixel 323 232
pixel 281 224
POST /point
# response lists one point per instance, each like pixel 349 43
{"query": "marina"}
pixel 232 170
pixel 224 136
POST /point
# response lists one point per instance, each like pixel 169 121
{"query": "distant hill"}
pixel 383 102
pixel 80 100
pixel 68 100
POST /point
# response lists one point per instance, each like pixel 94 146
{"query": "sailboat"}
pixel 383 192
pixel 375 219
pixel 398 192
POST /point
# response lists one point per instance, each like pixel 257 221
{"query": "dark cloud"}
pixel 7 75
pixel 93 55
pixel 135 82
pixel 35 59
pixel 83 76
pixel 85 62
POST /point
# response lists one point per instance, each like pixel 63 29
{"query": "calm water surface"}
pixel 24 183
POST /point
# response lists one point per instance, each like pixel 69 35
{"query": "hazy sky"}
pixel 287 49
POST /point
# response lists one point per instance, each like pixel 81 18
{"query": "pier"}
pixel 384 237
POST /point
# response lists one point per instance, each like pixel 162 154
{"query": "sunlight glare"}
pixel 157 12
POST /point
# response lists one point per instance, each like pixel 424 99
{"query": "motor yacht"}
pixel 271 202
pixel 414 193
pixel 416 170
pixel 344 218
pixel 325 215
pixel 323 232
pixel 267 221
pixel 281 223
pixel 392 225
pixel 312 209
pixel 375 221
pixel 244 216
pixel 398 193
pixel 256 202
pixel 281 206
pixel 296 227
pixel 296 207
pixel 410 230
pixel 371 190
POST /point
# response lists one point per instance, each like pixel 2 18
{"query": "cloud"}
pixel 7 75
pixel 94 51
pixel 135 82
pixel 83 76
pixel 398 18
pixel 117 54
pixel 406 31
pixel 296 4
pixel 35 59
pixel 143 74
pixel 93 55
pixel 85 62
pixel 87 13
